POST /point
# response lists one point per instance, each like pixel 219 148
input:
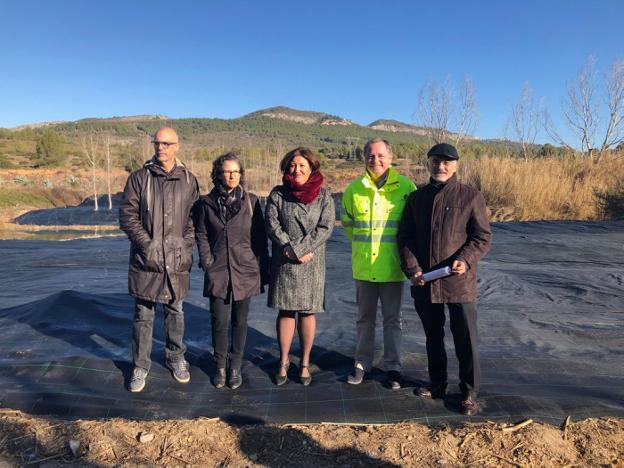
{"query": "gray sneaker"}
pixel 180 370
pixel 357 376
pixel 137 381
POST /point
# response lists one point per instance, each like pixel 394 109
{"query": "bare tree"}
pixel 447 115
pixel 107 154
pixel 614 81
pixel 467 111
pixel 90 150
pixel 553 132
pixel 139 152
pixel 525 120
pixel 582 109
pixel 434 108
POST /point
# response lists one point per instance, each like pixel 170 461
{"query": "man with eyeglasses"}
pixel 445 224
pixel 372 206
pixel 155 213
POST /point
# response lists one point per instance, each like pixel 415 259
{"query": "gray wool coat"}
pixel 296 286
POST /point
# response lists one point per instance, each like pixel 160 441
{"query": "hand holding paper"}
pixel 437 274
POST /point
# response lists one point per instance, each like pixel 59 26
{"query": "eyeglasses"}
pixel 166 144
pixel 230 173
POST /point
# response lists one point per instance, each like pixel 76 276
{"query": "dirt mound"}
pixel 212 442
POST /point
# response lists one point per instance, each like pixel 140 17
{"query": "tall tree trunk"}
pixel 95 194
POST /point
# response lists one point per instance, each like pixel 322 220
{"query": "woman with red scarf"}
pixel 299 217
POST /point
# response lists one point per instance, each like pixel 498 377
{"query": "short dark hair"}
pixel 369 143
pixel 217 167
pixel 306 153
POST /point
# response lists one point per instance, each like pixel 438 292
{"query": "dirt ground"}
pixel 43 441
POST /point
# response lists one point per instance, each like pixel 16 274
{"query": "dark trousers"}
pixel 464 329
pixel 220 318
pixel 143 328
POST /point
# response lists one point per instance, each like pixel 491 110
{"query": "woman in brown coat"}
pixel 229 229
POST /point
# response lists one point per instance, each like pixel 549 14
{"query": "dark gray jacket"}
pixel 306 228
pixel 155 213
pixel 233 252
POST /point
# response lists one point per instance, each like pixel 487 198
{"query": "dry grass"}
pixel 548 189
pixel 542 189
pixel 45 441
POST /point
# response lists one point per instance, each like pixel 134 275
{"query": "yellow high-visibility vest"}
pixel 370 218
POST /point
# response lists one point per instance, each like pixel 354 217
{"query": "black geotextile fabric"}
pixel 83 214
pixel 551 323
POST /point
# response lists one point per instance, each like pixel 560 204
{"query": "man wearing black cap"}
pixel 445 224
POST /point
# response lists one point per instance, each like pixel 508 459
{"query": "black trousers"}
pixel 464 329
pixel 220 317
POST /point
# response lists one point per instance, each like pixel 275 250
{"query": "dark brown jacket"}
pixel 459 230
pixel 233 252
pixel 155 213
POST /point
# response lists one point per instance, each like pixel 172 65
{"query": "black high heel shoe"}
pixel 305 380
pixel 282 379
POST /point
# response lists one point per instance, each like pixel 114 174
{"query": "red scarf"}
pixel 307 192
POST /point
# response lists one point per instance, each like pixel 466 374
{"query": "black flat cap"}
pixel 445 150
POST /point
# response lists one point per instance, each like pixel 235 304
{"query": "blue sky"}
pixel 362 60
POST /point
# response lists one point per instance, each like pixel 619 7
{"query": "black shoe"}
pixel 357 376
pixel 470 406
pixel 235 379
pixel 282 379
pixel 219 378
pixel 393 380
pixel 430 392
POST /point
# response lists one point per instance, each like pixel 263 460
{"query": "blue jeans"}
pixel 143 327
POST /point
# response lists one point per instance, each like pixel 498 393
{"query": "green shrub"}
pixel 5 163
pixel 50 150
pixel 21 180
pixel 11 198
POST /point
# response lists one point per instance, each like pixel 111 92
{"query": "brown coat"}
pixel 233 252
pixel 459 230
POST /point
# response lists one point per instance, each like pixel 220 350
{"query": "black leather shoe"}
pixel 429 392
pixel 235 379
pixel 393 380
pixel 219 378
pixel 470 406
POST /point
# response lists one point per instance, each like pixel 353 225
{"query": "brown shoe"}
pixel 470 406
pixel 429 392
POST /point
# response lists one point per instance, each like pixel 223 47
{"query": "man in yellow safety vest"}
pixel 372 207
